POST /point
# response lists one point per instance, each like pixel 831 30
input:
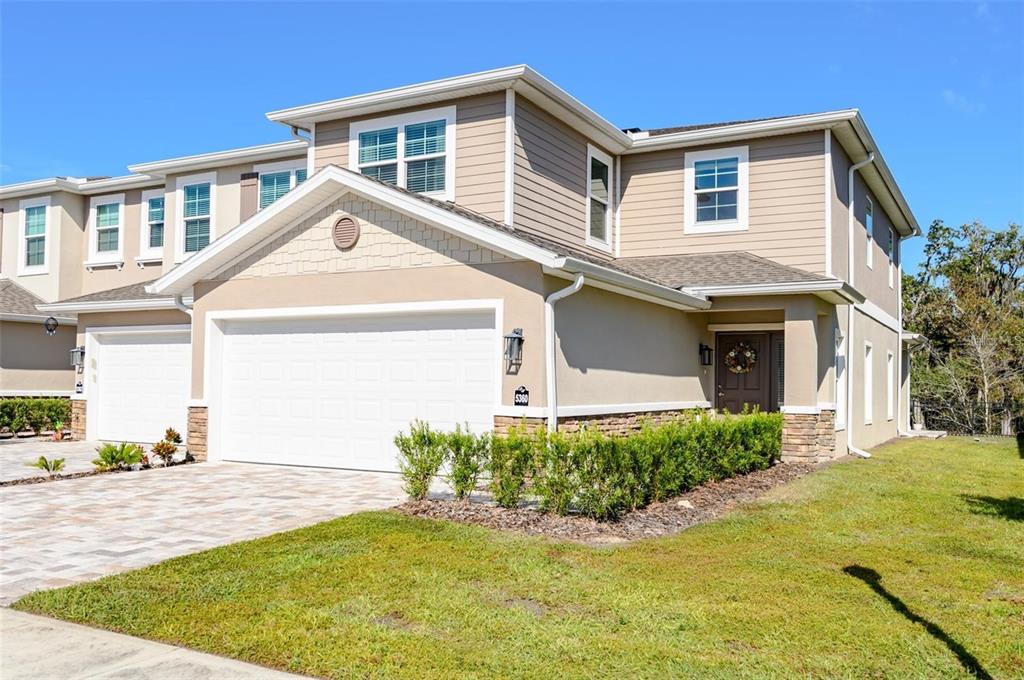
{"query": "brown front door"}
pixel 751 388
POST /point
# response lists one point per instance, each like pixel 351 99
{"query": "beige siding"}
pixel 787 204
pixel 31 360
pixel 109 277
pixel 479 150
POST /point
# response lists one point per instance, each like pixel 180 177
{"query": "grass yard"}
pixel 907 564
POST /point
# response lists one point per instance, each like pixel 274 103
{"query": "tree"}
pixel 968 299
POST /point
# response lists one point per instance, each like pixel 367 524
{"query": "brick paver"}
pixel 75 530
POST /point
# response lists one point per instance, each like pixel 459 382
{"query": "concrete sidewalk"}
pixel 37 647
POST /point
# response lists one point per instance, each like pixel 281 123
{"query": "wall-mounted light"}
pixel 706 354
pixel 514 349
pixel 78 357
pixel 50 325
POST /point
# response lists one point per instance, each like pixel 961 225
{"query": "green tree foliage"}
pixel 967 298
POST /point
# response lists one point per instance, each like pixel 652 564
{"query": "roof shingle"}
pixel 16 300
pixel 136 291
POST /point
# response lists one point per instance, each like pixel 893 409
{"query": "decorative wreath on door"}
pixel 741 359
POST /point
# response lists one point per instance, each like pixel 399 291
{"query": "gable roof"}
pixel 19 304
pixel 132 297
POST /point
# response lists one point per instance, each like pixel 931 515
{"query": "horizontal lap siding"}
pixel 787 204
pixel 479 150
pixel 550 177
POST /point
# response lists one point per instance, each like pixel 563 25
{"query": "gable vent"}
pixel 346 233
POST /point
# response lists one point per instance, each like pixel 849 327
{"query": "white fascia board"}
pixel 861 129
pixel 33 318
pixel 109 306
pixel 329 182
pixel 262 152
pixel 78 186
pixel 38 186
pixel 629 285
pixel 110 184
pixel 836 286
pixel 723 133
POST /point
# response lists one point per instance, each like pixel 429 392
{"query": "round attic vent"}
pixel 346 232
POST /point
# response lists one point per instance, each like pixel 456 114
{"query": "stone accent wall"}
pixel 612 423
pixel 197 429
pixel 388 240
pixel 78 419
pixel 809 437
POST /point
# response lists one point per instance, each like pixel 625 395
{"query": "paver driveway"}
pixel 74 530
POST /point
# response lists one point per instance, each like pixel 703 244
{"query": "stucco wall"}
pixel 30 360
pixel 882 339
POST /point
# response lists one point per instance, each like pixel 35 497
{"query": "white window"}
pixel 599 203
pixel 195 203
pixel 716 186
pixel 869 228
pixel 106 215
pixel 890 384
pixel 890 251
pixel 277 179
pixel 151 225
pixel 868 384
pixel 34 232
pixel 840 380
pixel 415 151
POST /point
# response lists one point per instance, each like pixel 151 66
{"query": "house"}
pixel 486 249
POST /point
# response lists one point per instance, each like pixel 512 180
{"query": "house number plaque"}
pixel 522 396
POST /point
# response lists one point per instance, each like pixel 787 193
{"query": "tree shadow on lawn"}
pixel 874 581
pixel 1011 507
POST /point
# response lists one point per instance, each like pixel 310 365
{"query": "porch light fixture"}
pixel 78 357
pixel 705 354
pixel 514 349
pixel 50 325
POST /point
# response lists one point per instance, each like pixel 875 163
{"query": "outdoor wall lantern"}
pixel 705 354
pixel 78 357
pixel 514 349
pixel 50 325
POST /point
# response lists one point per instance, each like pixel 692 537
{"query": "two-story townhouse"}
pixel 486 249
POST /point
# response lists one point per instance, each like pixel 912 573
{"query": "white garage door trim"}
pixel 217 320
pixel 94 353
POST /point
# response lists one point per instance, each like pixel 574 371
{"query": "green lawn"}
pixel 780 588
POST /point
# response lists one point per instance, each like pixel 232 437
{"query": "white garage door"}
pixel 143 385
pixel 334 392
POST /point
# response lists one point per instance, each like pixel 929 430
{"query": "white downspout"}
pixel 549 347
pixel 180 304
pixel 851 349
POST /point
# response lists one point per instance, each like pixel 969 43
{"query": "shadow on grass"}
pixel 1011 507
pixel 1020 444
pixel 874 581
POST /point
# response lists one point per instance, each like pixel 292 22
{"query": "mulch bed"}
pixel 76 475
pixel 658 519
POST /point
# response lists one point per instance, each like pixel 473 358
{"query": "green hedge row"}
pixel 596 475
pixel 18 414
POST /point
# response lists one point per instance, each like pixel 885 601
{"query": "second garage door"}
pixel 334 392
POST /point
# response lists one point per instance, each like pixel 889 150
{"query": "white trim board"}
pixel 609 220
pixel 37 393
pixel 722 327
pixel 599 409
pixel 510 155
pixel 872 310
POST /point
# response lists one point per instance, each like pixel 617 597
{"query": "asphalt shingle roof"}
pixel 703 126
pixel 16 300
pixel 714 269
pixel 136 291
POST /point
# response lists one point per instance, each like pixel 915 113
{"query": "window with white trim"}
pixel 890 252
pixel 868 384
pixel 890 384
pixel 840 342
pixel 869 228
pixel 197 216
pixel 716 190
pixel 106 242
pixel 34 234
pixel 413 151
pixel 152 229
pixel 599 203
pixel 275 183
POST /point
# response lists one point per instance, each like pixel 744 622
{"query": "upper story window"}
pixel 106 215
pixel 195 200
pixel 277 179
pixel 414 151
pixel 34 232
pixel 869 226
pixel 599 204
pixel 890 252
pixel 717 187
pixel 151 226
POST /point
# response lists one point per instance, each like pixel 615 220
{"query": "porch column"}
pixel 808 434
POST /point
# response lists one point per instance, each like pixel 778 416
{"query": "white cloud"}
pixel 959 102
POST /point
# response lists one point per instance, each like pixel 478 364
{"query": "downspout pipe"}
pixel 549 347
pixel 296 135
pixel 850 349
pixel 180 304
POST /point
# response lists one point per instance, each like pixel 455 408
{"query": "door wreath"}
pixel 741 359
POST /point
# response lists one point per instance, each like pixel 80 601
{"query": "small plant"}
pixel 49 465
pixel 171 435
pixel 117 456
pixel 421 453
pixel 467 455
pixel 58 430
pixel 512 459
pixel 165 450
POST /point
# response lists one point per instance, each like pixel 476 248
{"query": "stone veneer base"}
pixel 809 437
pixel 78 419
pixel 611 423
pixel 197 431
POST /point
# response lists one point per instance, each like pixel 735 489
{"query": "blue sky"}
pixel 88 88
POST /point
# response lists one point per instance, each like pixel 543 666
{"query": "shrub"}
pixel 467 456
pixel 171 435
pixel 18 414
pixel 49 465
pixel 554 481
pixel 165 450
pixel 421 453
pixel 117 456
pixel 512 460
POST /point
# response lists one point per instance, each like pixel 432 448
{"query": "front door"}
pixel 743 375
